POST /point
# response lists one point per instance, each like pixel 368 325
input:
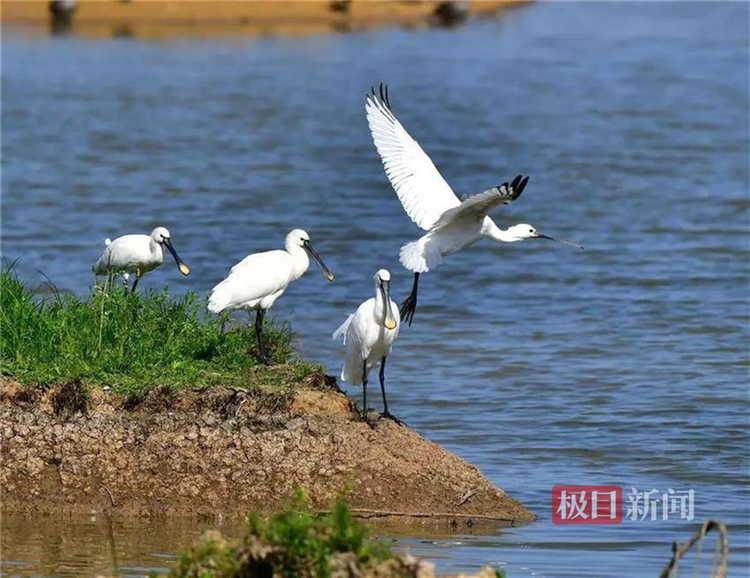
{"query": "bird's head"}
pixel 383 285
pixel 524 231
pixel 161 235
pixel 299 238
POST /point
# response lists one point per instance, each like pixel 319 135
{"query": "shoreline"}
pixel 225 452
pixel 160 20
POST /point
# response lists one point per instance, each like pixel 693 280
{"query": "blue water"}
pixel 625 364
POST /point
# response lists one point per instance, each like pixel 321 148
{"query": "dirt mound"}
pixel 226 452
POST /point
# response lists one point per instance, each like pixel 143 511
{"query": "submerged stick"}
pixel 719 566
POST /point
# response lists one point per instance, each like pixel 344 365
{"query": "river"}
pixel 625 364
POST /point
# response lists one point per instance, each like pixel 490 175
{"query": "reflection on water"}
pixel 624 364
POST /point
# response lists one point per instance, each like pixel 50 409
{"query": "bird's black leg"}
pixel 137 278
pixel 364 390
pixel 386 413
pixel 409 306
pixel 262 354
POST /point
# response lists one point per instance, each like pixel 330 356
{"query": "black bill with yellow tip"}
pixel 326 272
pixel 184 269
pixel 389 320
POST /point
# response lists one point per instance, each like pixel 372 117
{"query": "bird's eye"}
pixel 531 230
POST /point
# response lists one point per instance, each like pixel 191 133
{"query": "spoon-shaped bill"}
pixel 326 272
pixel 389 321
pixel 184 269
pixel 577 246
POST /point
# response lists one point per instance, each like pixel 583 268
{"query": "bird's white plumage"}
pixel 451 224
pixel 260 279
pixel 131 253
pixel 365 335
pixel 420 187
pixel 474 208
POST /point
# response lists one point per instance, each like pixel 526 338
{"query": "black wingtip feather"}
pixel 521 186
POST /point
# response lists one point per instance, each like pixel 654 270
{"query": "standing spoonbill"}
pixel 137 254
pixel 257 281
pixel 451 224
pixel 369 334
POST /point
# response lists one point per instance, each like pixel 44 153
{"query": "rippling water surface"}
pixel 624 364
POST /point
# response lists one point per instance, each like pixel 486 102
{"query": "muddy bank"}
pixel 223 452
pixel 201 18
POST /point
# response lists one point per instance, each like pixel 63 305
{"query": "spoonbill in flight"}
pixel 369 334
pixel 451 224
pixel 257 281
pixel 137 254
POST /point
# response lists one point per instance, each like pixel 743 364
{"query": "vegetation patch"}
pixel 294 542
pixel 135 342
pixel 298 543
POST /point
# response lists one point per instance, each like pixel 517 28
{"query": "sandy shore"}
pixel 150 19
pixel 222 452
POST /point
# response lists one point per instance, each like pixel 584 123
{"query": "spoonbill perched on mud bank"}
pixel 257 281
pixel 451 224
pixel 137 254
pixel 369 334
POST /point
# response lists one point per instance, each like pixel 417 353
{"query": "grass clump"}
pixel 294 542
pixel 133 341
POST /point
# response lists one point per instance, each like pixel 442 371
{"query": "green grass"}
pixel 133 341
pixel 294 542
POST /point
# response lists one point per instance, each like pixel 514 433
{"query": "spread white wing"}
pixel 476 207
pixel 421 189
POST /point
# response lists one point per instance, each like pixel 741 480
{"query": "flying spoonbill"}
pixel 451 224
pixel 137 254
pixel 257 281
pixel 369 334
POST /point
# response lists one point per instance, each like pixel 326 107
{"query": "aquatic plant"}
pixel 295 542
pixel 300 543
pixel 133 341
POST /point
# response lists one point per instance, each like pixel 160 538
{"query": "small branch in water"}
pixel 719 567
pixel 364 513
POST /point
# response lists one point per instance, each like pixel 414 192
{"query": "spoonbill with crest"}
pixel 369 334
pixel 257 281
pixel 137 254
pixel 450 224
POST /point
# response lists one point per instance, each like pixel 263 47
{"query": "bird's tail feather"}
pixel 351 371
pixel 417 256
pixel 102 263
pixel 219 299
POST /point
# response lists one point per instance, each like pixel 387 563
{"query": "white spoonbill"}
pixel 137 254
pixel 369 334
pixel 451 224
pixel 257 281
